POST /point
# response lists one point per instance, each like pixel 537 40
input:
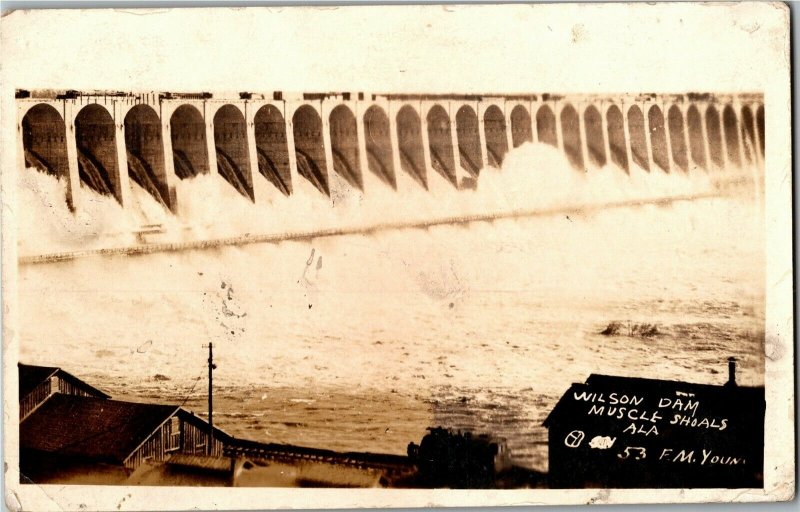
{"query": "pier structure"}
pixel 331 144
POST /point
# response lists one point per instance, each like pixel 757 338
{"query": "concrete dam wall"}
pixel 273 143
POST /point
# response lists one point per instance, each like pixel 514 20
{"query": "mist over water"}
pixel 534 176
pixel 359 342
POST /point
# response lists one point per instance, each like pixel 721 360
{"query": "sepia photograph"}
pixel 532 252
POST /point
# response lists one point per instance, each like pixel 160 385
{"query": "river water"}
pixel 361 342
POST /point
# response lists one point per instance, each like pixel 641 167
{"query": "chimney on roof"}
pixel 731 372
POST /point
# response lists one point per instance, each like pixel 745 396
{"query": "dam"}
pixel 334 144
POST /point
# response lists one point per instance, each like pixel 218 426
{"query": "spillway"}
pixel 340 149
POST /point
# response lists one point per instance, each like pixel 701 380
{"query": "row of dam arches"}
pixel 669 142
pixel 651 138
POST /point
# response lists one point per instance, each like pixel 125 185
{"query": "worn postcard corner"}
pixel 401 256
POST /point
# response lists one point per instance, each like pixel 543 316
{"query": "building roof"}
pixel 97 428
pixel 596 383
pixel 31 376
pixel 93 428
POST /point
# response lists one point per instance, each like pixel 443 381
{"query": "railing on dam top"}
pixel 277 144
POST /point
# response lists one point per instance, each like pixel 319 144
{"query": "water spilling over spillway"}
pixel 361 340
pixel 212 210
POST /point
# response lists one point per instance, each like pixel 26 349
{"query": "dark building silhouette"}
pixel 617 432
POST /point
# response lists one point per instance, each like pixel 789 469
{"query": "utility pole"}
pixel 211 368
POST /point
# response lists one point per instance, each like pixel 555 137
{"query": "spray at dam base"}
pixel 213 214
pixel 360 341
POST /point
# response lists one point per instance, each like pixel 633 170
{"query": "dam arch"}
pixel 378 142
pixel 595 141
pixel 748 131
pixel 730 126
pixel 189 147
pixel 640 154
pixel 546 131
pixel 440 143
pixel 233 157
pixel 344 145
pixel 95 136
pixel 658 137
pixel 494 126
pixel 677 138
pixel 44 141
pixel 616 138
pixel 714 135
pixel 760 128
pixel 309 147
pixel 145 153
pixel 694 127
pixel 410 144
pixel 469 139
pixel 571 135
pixel 272 148
pixel 521 131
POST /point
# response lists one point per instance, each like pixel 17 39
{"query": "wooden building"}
pixel 83 439
pixel 619 432
pixel 38 383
